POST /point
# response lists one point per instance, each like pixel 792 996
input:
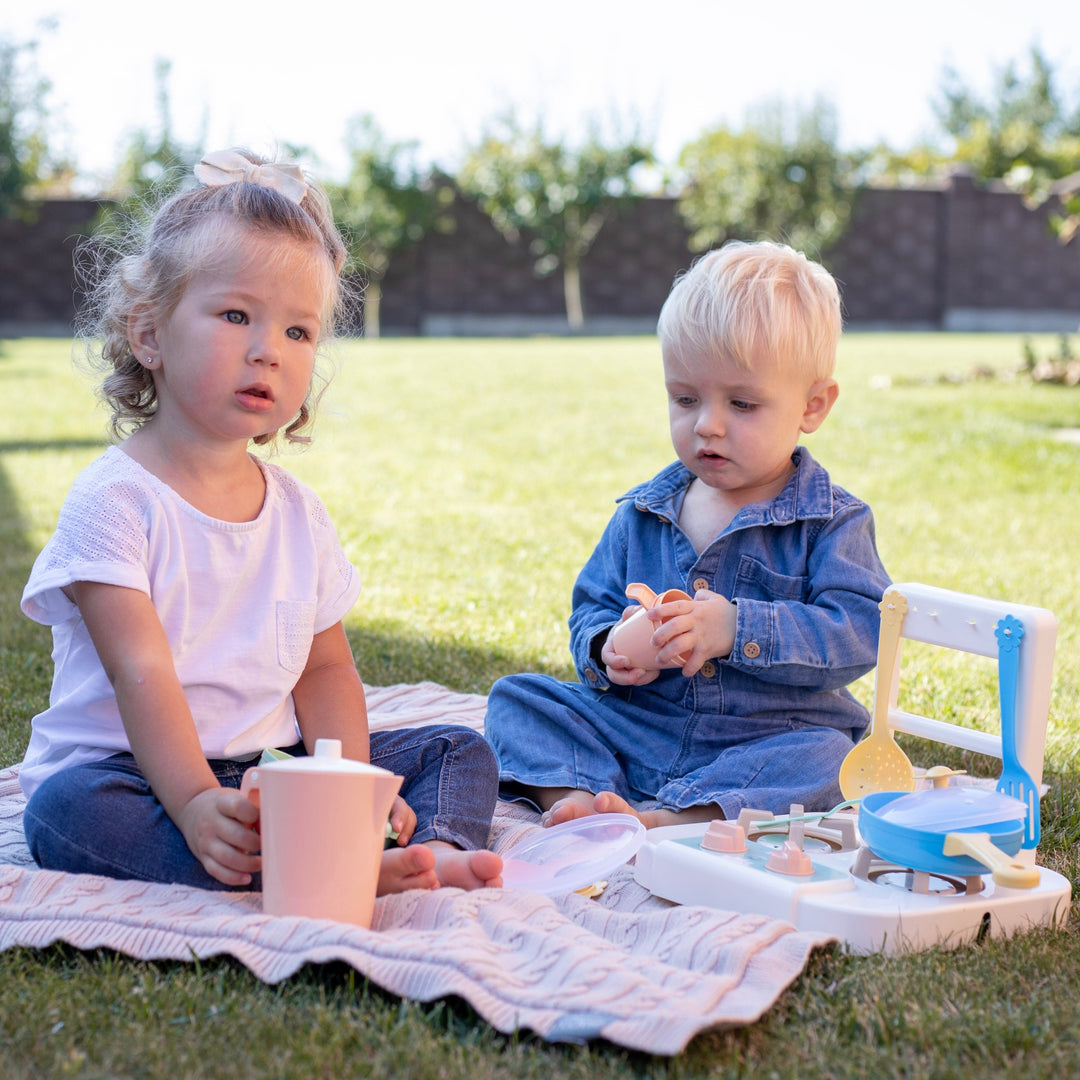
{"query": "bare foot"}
pixel 582 804
pixel 405 868
pixel 574 804
pixel 465 869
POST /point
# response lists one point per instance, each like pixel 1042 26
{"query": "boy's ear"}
pixel 141 333
pixel 819 400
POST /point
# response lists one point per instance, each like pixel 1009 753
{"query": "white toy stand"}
pixel 966 623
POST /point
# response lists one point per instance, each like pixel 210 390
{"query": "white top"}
pixel 240 603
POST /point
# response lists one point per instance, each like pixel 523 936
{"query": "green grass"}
pixel 469 481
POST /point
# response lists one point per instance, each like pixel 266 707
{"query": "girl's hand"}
pixel 218 825
pixel 618 667
pixel 402 820
pixel 697 629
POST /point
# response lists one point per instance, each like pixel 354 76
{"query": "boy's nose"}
pixel 709 422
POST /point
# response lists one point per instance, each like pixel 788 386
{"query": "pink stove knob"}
pixel 790 859
pixel 725 836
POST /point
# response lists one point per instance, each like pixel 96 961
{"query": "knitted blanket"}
pixel 627 966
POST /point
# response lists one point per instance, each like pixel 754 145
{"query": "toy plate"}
pixel 572 855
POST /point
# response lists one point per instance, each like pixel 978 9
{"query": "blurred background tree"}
pixel 1022 132
pixel 386 204
pixel 151 161
pixel 28 166
pixel 781 177
pixel 560 195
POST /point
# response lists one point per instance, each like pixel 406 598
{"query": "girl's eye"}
pixel 237 317
pixel 297 333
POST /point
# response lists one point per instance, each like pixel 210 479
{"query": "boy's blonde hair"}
pixel 140 277
pixel 755 302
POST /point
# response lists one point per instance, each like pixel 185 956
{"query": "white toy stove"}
pixel 819 875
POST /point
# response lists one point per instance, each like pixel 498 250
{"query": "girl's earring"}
pixel 149 361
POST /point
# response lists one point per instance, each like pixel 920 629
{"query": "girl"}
pixel 196 592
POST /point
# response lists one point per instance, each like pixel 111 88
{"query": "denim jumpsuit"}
pixel 764 727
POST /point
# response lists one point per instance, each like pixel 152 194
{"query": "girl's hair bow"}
pixel 228 167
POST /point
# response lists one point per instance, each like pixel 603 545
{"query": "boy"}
pixel 781 564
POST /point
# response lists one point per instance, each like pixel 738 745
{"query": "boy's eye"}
pixel 742 406
pixel 685 400
pixel 237 317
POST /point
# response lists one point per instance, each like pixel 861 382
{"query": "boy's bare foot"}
pixel 405 868
pixel 465 869
pixel 574 804
pixel 581 804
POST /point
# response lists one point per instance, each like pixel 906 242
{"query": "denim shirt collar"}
pixel 808 494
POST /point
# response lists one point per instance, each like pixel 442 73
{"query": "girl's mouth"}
pixel 257 398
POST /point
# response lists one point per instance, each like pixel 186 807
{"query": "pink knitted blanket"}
pixel 627 967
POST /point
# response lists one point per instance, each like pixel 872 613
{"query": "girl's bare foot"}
pixel 405 868
pixel 465 869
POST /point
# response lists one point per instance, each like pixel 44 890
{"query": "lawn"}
pixel 469 481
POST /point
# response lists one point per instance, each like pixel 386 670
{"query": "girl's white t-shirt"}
pixel 240 603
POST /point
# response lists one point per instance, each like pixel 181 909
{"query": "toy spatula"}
pixel 878 763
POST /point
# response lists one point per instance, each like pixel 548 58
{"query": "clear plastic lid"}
pixel 569 856
pixel 947 808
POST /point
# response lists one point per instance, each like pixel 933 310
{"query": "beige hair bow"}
pixel 228 167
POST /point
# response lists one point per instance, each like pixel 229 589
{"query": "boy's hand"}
pixel 218 827
pixel 698 629
pixel 618 667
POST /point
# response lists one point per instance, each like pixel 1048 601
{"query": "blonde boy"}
pixel 781 564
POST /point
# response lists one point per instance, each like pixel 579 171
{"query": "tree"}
pixel 560 195
pixel 780 178
pixel 1023 133
pixel 387 204
pixel 27 166
pixel 154 161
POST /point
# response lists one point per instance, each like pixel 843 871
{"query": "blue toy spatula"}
pixel 1015 779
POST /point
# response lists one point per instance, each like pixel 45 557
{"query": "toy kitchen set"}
pixel 911 859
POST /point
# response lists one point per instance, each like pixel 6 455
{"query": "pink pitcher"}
pixel 322 820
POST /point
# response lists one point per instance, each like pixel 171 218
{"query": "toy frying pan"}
pixel 965 851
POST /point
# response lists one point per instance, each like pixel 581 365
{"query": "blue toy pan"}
pixel 921 849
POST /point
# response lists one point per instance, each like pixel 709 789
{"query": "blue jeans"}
pixel 103 818
pixel 549 734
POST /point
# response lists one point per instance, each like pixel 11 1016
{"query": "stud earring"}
pixel 149 361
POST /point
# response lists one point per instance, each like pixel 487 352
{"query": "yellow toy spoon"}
pixel 878 763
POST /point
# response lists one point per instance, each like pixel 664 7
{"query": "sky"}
pixel 267 74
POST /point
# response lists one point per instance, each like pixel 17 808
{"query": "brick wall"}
pixel 956 255
pixel 37 278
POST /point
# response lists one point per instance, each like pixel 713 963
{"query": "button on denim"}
pixel 771 722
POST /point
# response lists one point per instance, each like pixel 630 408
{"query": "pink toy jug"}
pixel 630 638
pixel 322 820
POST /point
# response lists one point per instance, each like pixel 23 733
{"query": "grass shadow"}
pixel 20 446
pixel 389 651
pixel 25 646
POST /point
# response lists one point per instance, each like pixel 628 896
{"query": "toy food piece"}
pixel 631 637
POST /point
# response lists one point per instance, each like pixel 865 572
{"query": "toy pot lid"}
pixel 949 808
pixel 570 856
pixel 326 759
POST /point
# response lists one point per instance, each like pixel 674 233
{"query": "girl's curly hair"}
pixel 139 274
